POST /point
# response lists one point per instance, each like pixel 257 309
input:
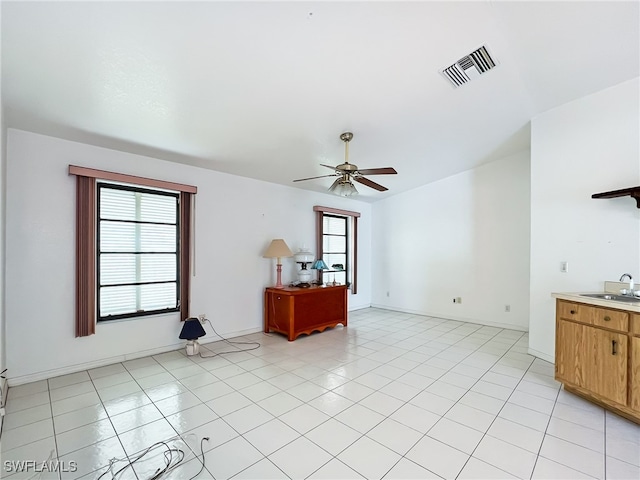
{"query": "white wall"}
pixel 236 218
pixel 587 146
pixel 464 236
pixel 3 183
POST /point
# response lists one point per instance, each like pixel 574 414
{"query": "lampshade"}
pixel 278 249
pixel 192 329
pixel 303 256
pixel 345 188
pixel 320 265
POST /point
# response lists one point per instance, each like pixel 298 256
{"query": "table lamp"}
pixel 278 249
pixel 319 265
pixel 303 258
pixel 192 330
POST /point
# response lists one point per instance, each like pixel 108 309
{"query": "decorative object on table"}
pixel 192 330
pixel 319 265
pixel 304 258
pixel 278 249
pixel 337 267
pixel 347 172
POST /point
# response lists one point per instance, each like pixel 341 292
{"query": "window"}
pixel 335 249
pixel 337 245
pixel 133 246
pixel 137 251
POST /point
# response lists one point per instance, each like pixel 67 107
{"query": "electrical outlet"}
pixel 457 300
pixel 564 267
pixel 202 317
pixel 387 294
pixel 507 308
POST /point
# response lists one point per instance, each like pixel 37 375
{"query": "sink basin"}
pixel 611 296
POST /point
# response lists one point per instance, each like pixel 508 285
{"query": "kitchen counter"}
pixel 597 352
pixel 601 302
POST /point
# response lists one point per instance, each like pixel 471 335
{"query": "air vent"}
pixel 469 67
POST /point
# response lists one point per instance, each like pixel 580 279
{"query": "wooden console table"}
pixel 293 311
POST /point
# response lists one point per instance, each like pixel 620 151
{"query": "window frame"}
pixel 347 247
pixel 86 213
pixel 139 189
pixel 352 241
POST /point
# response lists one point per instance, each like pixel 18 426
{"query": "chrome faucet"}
pixel 630 291
pixel 628 275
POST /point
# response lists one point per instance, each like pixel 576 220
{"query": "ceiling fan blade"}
pixel 378 171
pixel 369 183
pixel 328 166
pixel 334 185
pixel 311 178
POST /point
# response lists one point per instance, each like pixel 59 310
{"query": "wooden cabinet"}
pixel 634 373
pixel 598 356
pixel 570 360
pixel 634 363
pixel 606 364
pixel 294 311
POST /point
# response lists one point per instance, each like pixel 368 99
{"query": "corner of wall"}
pixel 3 181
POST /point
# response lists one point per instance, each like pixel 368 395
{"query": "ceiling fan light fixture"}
pixel 347 172
pixel 345 188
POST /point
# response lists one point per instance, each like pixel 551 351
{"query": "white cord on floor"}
pixel 228 342
pixel 173 458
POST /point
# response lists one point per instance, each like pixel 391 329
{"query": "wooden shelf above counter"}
pixel 631 192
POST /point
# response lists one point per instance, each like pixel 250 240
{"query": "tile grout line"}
pixel 53 427
pixel 544 434
pixel 495 416
pixel 112 426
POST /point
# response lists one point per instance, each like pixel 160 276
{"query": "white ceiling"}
pixel 264 89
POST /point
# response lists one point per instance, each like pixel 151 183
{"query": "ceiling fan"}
pixel 347 172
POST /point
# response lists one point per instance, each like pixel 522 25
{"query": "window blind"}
pixel 138 241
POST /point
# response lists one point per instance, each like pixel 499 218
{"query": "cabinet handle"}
pixel 607 318
pixel 572 312
pixel 614 349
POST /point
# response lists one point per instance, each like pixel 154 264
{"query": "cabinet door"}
pixel 606 364
pixel 280 314
pixel 635 372
pixel 571 346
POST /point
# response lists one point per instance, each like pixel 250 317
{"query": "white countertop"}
pixel 578 297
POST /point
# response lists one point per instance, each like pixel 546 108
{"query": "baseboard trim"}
pixel 541 355
pixel 361 307
pixel 56 372
pixel 4 385
pixel 452 317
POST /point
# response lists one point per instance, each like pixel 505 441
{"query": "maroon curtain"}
pixel 185 253
pixel 85 256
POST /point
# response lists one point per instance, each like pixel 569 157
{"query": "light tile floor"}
pixel 393 395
